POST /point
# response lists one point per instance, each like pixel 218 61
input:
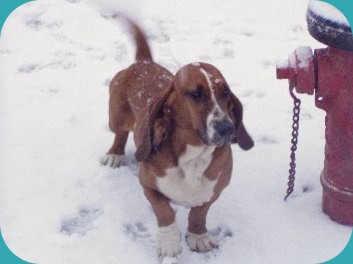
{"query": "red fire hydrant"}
pixel 329 74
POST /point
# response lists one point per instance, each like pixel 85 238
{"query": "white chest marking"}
pixel 186 183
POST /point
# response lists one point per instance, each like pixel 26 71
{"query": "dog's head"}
pixel 199 99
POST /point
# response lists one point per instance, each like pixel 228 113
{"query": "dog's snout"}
pixel 224 128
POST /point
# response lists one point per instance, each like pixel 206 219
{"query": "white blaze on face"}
pixel 216 113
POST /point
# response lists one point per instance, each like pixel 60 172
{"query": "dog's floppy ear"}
pixel 153 126
pixel 240 136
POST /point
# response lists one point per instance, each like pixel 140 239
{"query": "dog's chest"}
pixel 186 184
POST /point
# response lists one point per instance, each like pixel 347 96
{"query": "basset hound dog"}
pixel 183 127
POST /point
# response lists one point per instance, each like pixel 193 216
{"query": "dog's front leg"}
pixel 197 237
pixel 168 235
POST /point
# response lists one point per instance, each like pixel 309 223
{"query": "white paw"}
pixel 200 242
pixel 113 160
pixel 168 241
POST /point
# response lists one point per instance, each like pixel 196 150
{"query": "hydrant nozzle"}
pixel 299 69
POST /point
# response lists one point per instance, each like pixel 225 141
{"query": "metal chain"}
pixel 294 141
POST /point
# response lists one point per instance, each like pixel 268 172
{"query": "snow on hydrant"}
pixel 328 75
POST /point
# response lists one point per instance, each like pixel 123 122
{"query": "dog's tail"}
pixel 143 51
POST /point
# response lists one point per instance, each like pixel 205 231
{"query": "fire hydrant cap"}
pixel 327 25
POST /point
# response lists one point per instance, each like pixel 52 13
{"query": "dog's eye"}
pixel 196 94
pixel 225 93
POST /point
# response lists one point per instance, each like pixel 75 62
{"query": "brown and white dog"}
pixel 183 126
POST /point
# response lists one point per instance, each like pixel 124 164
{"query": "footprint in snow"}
pixel 35 24
pixel 247 34
pixel 137 231
pixel 81 223
pixel 296 28
pixel 4 51
pixel 220 233
pixel 28 68
pixel 267 140
pixel 308 188
pixel 65 64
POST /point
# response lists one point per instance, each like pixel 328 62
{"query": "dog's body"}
pixel 183 126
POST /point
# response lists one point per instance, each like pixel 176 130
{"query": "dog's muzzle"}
pixel 224 131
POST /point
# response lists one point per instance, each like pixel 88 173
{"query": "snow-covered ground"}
pixel 59 205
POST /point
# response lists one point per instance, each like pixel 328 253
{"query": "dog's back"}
pixel 132 91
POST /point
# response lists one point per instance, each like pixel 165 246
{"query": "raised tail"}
pixel 143 51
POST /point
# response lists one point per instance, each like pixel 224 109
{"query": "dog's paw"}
pixel 112 160
pixel 201 242
pixel 168 241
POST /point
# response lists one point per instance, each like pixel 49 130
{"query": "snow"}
pixel 59 205
pixel 328 11
pixel 284 64
pixel 304 55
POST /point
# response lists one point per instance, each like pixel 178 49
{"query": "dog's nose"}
pixel 224 128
